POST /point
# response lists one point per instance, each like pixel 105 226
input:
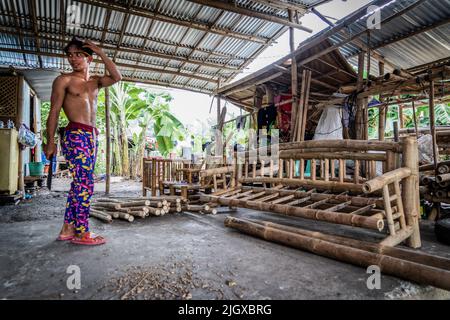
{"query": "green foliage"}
pixel 45 110
pixel 442 116
pixel 131 106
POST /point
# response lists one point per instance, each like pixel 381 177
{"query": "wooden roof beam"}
pixel 32 6
pixel 412 33
pixel 247 86
pixel 356 37
pixel 140 51
pixel 220 42
pixel 251 13
pixel 122 31
pixel 147 13
pixel 18 29
pixel 258 52
pixel 165 84
pixel 161 41
pixel 312 42
pixel 283 5
pixel 105 27
pixel 125 65
pixel 199 41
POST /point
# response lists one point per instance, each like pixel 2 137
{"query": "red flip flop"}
pixel 64 238
pixel 88 239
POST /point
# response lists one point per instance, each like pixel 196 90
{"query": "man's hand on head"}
pixel 89 44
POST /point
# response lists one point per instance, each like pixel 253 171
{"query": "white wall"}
pixel 26 120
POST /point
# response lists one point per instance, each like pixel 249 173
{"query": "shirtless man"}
pixel 76 93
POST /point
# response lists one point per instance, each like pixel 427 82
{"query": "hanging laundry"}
pixel 266 119
pixel 284 105
pixel 240 122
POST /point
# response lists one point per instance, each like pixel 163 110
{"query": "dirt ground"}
pixel 50 204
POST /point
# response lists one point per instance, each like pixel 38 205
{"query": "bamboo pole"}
pixel 385 179
pixel 295 114
pixel 443 177
pixel 305 105
pixel 141 208
pixel 294 154
pixel 314 214
pixel 126 216
pixel 140 214
pixel 359 117
pixel 310 195
pixel 154 211
pixel 382 109
pixel 410 190
pixel 135 203
pixel 400 253
pixel 153 181
pixel 415 118
pixel 109 205
pixel 328 185
pixel 356 145
pixel 20 111
pixel 107 200
pixel 390 265
pixel 300 105
pixel 433 125
pixel 100 215
pixel 108 142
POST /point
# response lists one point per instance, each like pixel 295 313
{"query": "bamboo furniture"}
pixel 334 191
pixel 156 170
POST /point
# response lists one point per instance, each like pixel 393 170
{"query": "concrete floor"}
pixel 180 256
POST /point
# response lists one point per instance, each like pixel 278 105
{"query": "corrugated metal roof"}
pixel 421 28
pixel 421 48
pixel 180 28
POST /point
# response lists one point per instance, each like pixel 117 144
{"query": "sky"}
pixel 192 108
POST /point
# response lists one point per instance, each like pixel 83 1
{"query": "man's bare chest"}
pixel 83 89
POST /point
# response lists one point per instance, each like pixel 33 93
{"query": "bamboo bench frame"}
pixel 392 208
pixel 156 170
pixel 158 173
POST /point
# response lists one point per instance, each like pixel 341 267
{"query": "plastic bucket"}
pixel 36 168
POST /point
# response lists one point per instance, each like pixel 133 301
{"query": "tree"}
pixel 124 97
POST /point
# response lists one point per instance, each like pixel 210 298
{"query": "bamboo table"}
pixel 183 187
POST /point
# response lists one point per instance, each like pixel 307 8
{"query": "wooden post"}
pixel 433 125
pixel 144 178
pixel 295 114
pixel 382 109
pixel 410 190
pixel 108 144
pixel 359 117
pixel 400 116
pixel 184 192
pixel 415 117
pixel 396 132
pixel 303 105
pixel 218 128
pixel 153 183
pixel 21 183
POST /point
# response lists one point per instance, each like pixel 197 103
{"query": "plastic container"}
pixel 36 168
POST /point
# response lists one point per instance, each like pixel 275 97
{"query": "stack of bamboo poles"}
pixel 406 264
pixel 128 208
pixel 435 185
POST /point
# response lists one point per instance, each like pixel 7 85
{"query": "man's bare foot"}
pixel 67 232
